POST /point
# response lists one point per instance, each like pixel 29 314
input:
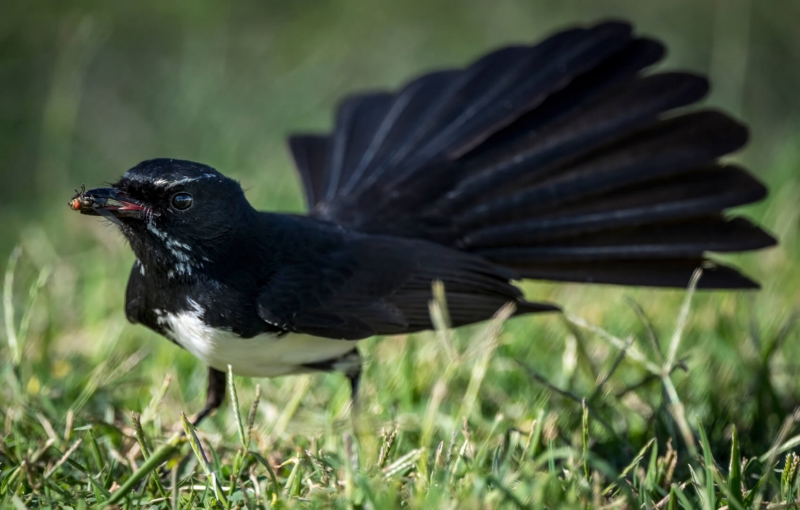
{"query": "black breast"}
pixel 150 296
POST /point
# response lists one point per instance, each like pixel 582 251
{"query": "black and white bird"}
pixel 561 161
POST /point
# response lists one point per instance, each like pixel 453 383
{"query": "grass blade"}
pixel 211 475
pixel 8 306
pixel 585 440
pixel 735 470
pixel 708 460
pixel 150 465
pixel 683 319
pixel 235 404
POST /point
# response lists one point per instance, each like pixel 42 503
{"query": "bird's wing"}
pixel 381 286
pixel 563 161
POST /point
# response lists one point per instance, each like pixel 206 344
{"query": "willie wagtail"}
pixel 561 161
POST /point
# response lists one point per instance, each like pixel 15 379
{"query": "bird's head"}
pixel 177 215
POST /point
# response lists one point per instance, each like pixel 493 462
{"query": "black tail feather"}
pixel 704 192
pixel 673 273
pixel 632 106
pixel 401 129
pixel 619 68
pixel 670 147
pixel 310 154
pixel 505 90
pixel 357 121
pixel 683 239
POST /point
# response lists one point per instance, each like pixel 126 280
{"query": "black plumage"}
pixel 560 161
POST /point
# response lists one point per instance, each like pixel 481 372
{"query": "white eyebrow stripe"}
pixel 170 184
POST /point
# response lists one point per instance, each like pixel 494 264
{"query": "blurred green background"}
pixel 89 89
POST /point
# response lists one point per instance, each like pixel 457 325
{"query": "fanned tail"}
pixel 561 161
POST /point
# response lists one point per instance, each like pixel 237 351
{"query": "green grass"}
pixel 634 398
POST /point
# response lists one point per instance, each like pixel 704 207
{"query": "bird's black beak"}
pixel 107 202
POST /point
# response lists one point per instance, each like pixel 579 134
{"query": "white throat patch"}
pixel 184 261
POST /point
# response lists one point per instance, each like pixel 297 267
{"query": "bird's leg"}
pixel 354 376
pixel 215 394
pixel 350 364
pixel 353 373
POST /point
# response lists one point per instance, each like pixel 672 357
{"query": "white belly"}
pixel 265 355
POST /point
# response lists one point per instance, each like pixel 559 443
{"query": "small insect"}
pixel 81 201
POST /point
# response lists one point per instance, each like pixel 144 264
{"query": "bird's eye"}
pixel 182 201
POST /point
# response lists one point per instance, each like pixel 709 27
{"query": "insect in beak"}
pixel 106 202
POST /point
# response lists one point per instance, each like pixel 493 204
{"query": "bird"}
pixel 565 160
